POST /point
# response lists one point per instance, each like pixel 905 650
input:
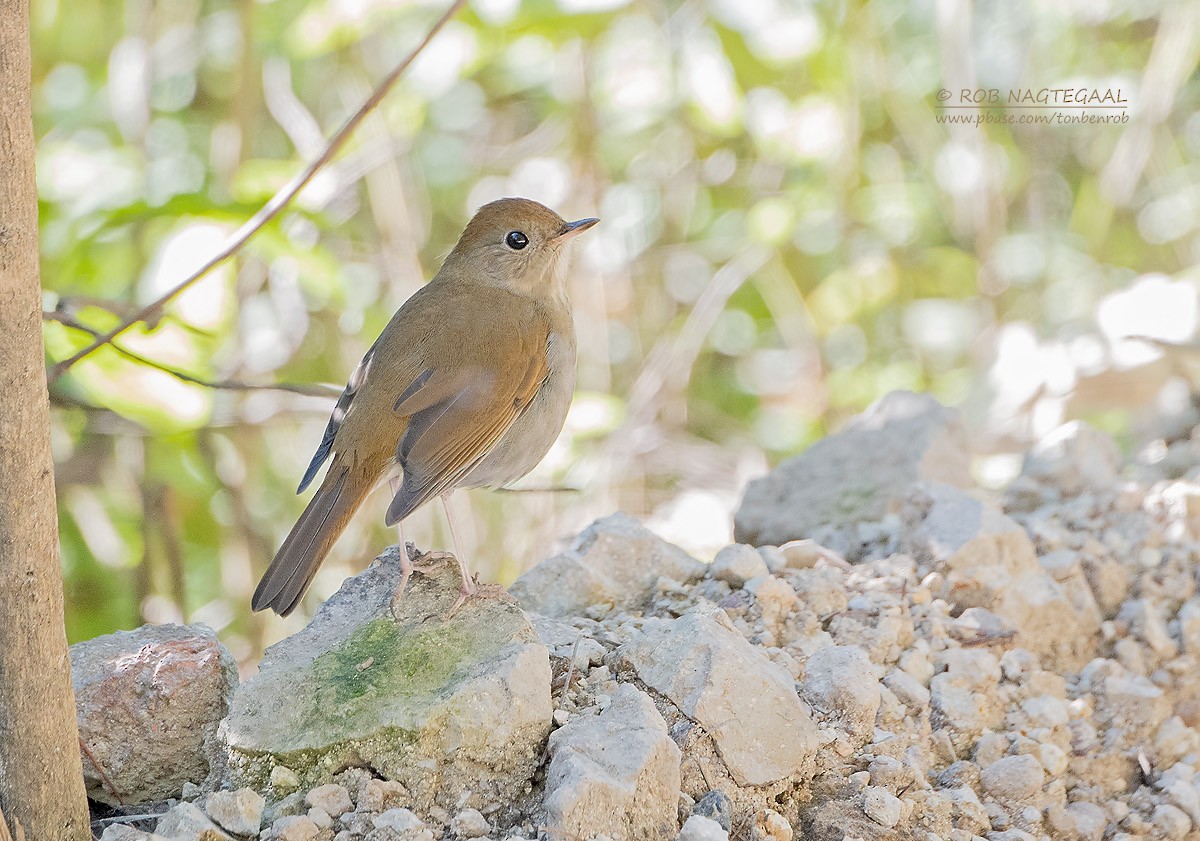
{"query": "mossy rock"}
pixel 444 705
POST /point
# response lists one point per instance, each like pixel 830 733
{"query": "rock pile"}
pixel 1026 667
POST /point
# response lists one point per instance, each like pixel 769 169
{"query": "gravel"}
pixel 1011 666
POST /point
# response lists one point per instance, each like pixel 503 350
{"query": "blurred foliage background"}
pixel 789 231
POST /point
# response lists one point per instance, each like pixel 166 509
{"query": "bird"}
pixel 467 386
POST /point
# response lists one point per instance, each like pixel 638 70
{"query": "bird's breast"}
pixel 533 433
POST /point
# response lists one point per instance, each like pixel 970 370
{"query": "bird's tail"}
pixel 319 527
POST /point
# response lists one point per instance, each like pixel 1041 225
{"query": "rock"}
pixel 284 780
pixel 1016 778
pixel 1075 457
pixel 1189 625
pixel 123 832
pixel 859 474
pixel 615 561
pixel 716 806
pixel 699 828
pixel 382 795
pixel 1129 707
pixel 737 564
pixel 821 590
pixel 744 701
pixel 769 825
pixel 403 825
pixel 840 682
pixel 774 597
pixel 287 807
pixel 239 811
pixel 614 773
pixel 185 822
pixel 986 560
pixel 320 818
pixel 1170 821
pixel 332 798
pixel 470 823
pixel 881 806
pixel 1090 820
pixel 444 706
pixel 295 828
pixel 908 690
pixel 148 704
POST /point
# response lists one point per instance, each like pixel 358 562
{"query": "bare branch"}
pixel 314 390
pixel 273 207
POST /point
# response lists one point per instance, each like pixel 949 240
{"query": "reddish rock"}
pixel 148 703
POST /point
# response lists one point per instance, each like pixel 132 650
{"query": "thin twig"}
pixel 273 207
pixel 314 390
pixel 100 770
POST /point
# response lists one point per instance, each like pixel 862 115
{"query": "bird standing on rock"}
pixel 467 386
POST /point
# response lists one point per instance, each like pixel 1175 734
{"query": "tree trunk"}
pixel 41 778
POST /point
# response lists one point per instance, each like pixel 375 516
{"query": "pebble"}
pixel 320 817
pixel 239 811
pixel 295 828
pixel 716 806
pixel 700 828
pixel 382 795
pixel 769 825
pixel 737 564
pixel 332 798
pixel 881 806
pixel 470 823
pixel 284 780
pixel 1013 777
pixel 398 820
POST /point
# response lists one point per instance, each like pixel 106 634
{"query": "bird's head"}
pixel 516 243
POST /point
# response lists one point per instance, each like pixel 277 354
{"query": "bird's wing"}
pixel 357 380
pixel 457 412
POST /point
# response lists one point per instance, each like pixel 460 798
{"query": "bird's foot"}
pixel 424 564
pixel 468 589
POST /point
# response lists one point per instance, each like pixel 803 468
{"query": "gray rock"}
pixel 332 798
pixel 403 825
pixel 769 825
pixel 470 823
pixel 737 564
pixel 382 795
pixel 699 828
pixel 294 828
pixel 858 474
pixel 1073 458
pixel 148 704
pixel 840 681
pixel 881 806
pixel 444 706
pixel 716 806
pixel 744 701
pixel 185 822
pixel 1016 778
pixel 988 561
pixel 123 832
pixel 1170 821
pixel 615 561
pixel 910 691
pixel 239 811
pixel 616 773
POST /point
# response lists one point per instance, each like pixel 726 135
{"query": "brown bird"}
pixel 467 386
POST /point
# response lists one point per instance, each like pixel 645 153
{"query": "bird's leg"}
pixel 407 566
pixel 393 487
pixel 468 587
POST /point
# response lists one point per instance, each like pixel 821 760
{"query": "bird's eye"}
pixel 516 240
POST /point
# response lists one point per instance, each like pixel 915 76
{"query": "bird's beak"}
pixel 573 228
